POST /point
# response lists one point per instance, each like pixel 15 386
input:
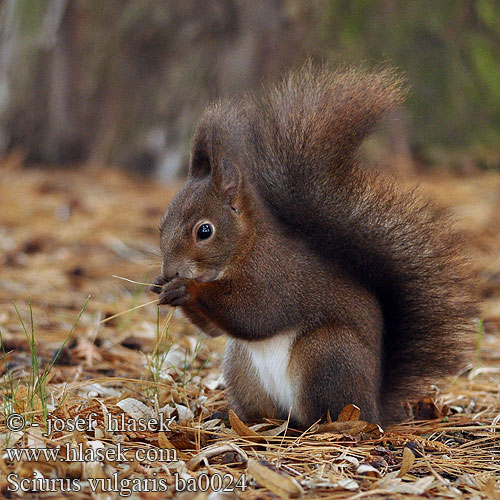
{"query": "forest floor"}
pixel 65 235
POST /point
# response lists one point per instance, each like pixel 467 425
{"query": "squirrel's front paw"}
pixel 175 292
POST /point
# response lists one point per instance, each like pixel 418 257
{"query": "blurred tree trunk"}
pixel 62 142
pixel 33 110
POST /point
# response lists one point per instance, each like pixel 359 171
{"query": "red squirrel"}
pixel 333 283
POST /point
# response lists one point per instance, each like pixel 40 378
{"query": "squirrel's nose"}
pixel 170 277
pixel 161 280
pixel 169 271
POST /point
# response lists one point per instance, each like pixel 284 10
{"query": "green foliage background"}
pixel 450 51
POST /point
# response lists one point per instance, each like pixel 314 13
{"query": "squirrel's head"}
pixel 207 223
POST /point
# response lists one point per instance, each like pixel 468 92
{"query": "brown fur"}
pixel 368 274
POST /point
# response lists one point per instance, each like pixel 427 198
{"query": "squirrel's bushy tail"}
pixel 401 246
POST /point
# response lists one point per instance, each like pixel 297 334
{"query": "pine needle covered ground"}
pixel 83 377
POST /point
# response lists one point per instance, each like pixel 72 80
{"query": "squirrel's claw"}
pixel 157 285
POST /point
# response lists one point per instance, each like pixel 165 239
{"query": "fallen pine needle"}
pixel 132 281
pixel 128 310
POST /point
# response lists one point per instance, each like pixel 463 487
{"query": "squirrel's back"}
pixel 298 144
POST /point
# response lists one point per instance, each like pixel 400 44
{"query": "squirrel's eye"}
pixel 205 231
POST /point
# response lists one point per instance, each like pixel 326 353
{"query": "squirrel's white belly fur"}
pixel 270 358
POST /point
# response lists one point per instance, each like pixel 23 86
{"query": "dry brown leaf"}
pixel 350 413
pixel 408 461
pixel 374 431
pixel 368 470
pixel 282 485
pixel 350 427
pixel 354 428
pixel 242 429
pixel 181 440
pixel 164 442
